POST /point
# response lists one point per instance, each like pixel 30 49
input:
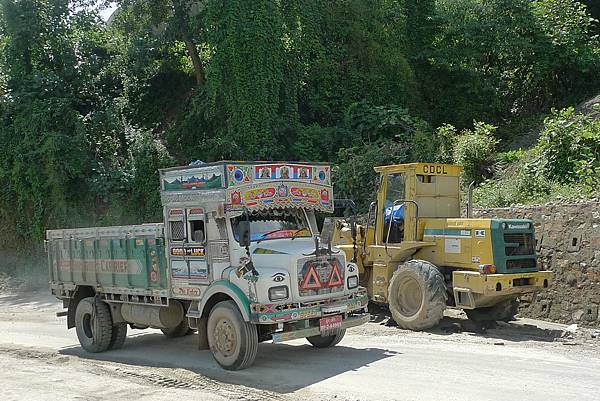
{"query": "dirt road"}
pixel 41 360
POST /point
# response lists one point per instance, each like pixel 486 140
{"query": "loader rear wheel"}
pixel 504 311
pixel 417 295
pixel 232 341
pixel 327 341
pixel 93 324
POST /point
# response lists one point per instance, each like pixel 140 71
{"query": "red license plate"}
pixel 330 323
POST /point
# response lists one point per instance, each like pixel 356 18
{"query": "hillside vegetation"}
pixel 90 110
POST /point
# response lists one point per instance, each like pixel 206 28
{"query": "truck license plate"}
pixel 329 325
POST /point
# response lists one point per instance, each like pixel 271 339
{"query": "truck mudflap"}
pixel 474 289
pixel 281 313
pixel 351 321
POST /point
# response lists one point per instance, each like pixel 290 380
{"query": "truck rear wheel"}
pixel 327 341
pixel 417 295
pixel 182 329
pixel 119 334
pixel 503 311
pixel 93 324
pixel 232 341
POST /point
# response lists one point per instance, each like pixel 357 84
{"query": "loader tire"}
pixel 93 324
pixel 119 334
pixel 503 311
pixel 232 341
pixel 417 295
pixel 327 341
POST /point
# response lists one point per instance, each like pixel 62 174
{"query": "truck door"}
pixel 196 238
pixel 188 267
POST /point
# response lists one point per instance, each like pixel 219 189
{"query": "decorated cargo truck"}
pixel 237 259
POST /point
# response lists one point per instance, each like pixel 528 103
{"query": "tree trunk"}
pixel 196 61
pixel 181 9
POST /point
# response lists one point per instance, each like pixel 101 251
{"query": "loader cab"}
pixel 407 192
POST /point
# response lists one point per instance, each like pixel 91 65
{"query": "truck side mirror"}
pixel 244 233
pixel 353 229
pixel 327 230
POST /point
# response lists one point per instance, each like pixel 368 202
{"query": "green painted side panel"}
pixel 455 232
pixel 498 244
pixel 111 262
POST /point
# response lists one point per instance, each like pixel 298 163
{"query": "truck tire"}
pixel 417 295
pixel 327 341
pixel 232 341
pixel 94 329
pixel 119 334
pixel 503 311
pixel 182 329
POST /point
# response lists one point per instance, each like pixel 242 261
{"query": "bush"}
pixel 569 148
pixel 565 164
pixel 474 149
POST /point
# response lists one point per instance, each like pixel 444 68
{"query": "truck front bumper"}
pixel 282 313
pixel 348 322
pixel 474 289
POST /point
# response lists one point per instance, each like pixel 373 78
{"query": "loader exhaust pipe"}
pixel 470 200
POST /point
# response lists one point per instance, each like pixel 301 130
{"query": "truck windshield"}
pixel 275 223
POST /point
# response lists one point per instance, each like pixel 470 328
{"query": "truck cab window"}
pixel 197 231
pixel 275 224
pixel 177 230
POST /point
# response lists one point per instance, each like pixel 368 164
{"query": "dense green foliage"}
pixel 89 111
pixel 565 163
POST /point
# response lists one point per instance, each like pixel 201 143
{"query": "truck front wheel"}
pixel 232 341
pixel 326 341
pixel 93 324
pixel 417 295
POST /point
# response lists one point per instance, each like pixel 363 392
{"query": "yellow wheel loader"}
pixel 418 256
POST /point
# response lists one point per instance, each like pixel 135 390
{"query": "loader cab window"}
pixel 394 209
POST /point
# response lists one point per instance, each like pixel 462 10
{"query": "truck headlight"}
pixel 279 293
pixel 352 282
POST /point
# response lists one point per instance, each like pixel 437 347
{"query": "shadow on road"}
pixel 511 331
pixel 281 368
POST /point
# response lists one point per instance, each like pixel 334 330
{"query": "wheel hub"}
pixel 225 337
pixel 410 297
pixel 88 325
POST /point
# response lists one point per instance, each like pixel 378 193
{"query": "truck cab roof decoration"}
pixel 251 185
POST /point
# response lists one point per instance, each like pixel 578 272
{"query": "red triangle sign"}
pixel 335 277
pixel 311 280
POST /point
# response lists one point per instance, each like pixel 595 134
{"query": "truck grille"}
pixel 525 244
pixel 320 276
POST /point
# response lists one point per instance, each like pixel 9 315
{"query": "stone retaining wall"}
pixel 568 242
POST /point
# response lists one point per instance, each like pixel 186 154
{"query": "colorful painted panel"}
pixel 193 179
pixel 240 174
pixel 317 277
pixel 276 195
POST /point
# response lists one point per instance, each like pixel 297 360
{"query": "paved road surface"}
pixel 41 360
